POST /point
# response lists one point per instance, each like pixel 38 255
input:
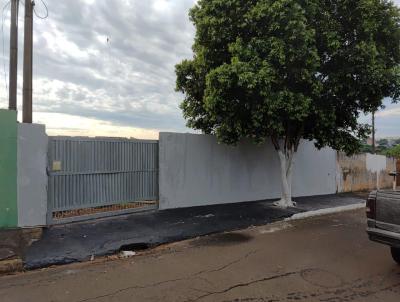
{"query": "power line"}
pixel 36 14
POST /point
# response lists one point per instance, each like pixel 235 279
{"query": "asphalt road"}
pixel 320 259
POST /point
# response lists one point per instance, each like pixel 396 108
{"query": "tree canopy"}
pixel 290 69
pixel 394 152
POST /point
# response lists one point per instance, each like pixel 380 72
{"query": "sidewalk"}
pixel 81 241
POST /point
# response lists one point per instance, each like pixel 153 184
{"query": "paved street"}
pixel 77 242
pixel 319 259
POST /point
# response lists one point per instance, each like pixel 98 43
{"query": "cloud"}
pixel 112 61
pixel 387 120
pixel 81 126
pixel 393 112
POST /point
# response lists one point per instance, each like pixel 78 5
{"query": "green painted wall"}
pixel 8 169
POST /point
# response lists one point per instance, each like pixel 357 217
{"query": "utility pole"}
pixel 12 102
pixel 28 45
pixel 373 133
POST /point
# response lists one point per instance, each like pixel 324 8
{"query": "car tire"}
pixel 395 254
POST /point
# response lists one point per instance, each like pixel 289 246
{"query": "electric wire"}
pixel 37 15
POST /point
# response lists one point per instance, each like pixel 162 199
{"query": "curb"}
pixel 328 211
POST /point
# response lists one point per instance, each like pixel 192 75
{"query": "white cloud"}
pixel 108 61
pixel 86 84
pixel 393 112
pixel 66 124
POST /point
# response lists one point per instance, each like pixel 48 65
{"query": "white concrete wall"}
pixel 195 170
pixel 32 176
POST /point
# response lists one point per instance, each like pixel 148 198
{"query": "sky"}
pixel 106 68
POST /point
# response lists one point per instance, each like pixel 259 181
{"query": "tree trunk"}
pixel 286 162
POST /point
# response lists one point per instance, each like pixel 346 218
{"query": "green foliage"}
pixel 394 152
pixel 381 150
pixel 365 148
pixel 290 69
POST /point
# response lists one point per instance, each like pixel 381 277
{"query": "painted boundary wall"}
pixel 195 170
pixel 8 169
pixel 23 177
pixel 364 172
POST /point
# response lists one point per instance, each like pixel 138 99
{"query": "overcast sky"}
pixel 107 67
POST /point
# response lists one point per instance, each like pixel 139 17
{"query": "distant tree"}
pixel 383 142
pixel 289 70
pixel 381 150
pixel 394 152
pixel 365 148
pixel 383 145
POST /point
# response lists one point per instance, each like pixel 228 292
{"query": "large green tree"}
pixel 288 70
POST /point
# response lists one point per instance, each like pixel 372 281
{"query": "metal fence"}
pixel 87 173
pixel 398 170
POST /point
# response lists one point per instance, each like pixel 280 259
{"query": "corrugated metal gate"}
pixel 398 170
pixel 95 177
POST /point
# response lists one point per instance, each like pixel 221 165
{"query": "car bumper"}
pixel 385 237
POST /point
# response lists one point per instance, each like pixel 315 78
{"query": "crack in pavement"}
pixel 129 288
pixel 191 276
pixel 60 275
pixel 226 265
pixel 200 290
pixel 244 285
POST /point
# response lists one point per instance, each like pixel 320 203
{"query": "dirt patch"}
pixel 13 243
pixel 103 209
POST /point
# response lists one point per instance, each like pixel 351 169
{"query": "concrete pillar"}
pixel 32 176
